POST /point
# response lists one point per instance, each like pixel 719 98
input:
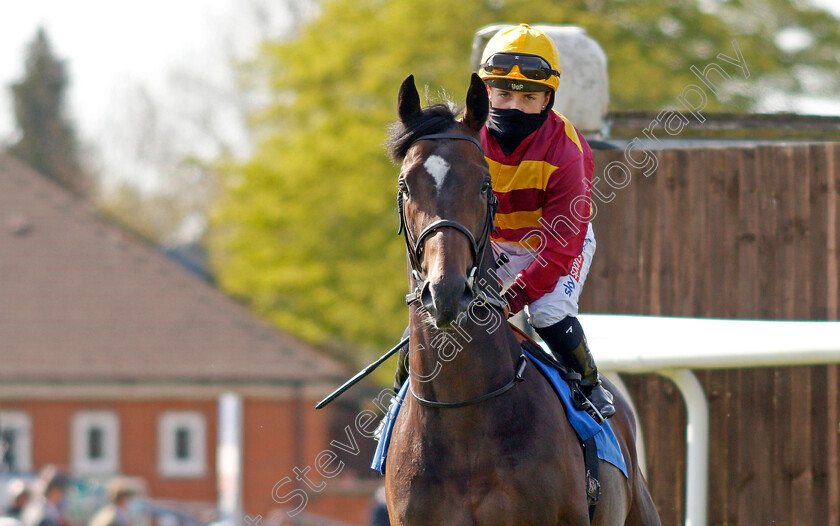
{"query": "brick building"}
pixel 114 359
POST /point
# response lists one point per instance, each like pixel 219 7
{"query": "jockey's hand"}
pixel 515 302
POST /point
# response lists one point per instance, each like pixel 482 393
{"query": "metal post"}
pixel 697 444
pixel 229 458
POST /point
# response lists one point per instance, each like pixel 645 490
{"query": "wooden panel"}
pixel 801 277
pixel 819 440
pixel 630 280
pixel 721 428
pixel 767 200
pixel 698 241
pixel 668 241
pixel 833 230
pixel 601 276
pixel 645 216
pixel 726 269
pixel 819 238
pixel 716 224
pixel 799 432
pixel 653 273
pixel 745 488
pixel 832 460
pixel 785 207
pixel 735 233
pixel 782 445
pixel 725 232
pixel 748 235
pixel 662 416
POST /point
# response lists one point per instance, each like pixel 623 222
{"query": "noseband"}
pixel 477 248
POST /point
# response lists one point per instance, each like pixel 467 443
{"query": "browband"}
pixel 456 136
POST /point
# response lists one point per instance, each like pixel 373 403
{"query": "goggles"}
pixel 532 67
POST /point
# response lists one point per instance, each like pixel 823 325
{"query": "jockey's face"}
pixel 524 101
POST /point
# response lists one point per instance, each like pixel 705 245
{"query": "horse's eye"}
pixel 403 187
pixel 485 186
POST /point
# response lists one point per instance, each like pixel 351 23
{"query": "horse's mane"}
pixel 432 119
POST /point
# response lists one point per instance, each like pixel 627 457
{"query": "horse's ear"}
pixel 478 104
pixel 408 104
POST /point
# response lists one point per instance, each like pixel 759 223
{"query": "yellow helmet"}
pixel 521 59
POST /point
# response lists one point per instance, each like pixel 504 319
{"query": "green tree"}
pixel 47 138
pixel 305 229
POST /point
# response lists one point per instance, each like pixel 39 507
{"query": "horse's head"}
pixel 445 198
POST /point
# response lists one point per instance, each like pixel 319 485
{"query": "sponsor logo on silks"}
pixel 577 266
pixel 569 287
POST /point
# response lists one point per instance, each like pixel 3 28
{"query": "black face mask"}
pixel 510 127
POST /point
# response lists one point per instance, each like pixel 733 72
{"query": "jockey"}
pixel 541 169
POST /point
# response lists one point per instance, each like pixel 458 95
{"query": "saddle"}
pixel 525 340
pixel 566 372
pixel 590 452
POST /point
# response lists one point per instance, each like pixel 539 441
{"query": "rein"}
pixel 520 368
pixel 478 250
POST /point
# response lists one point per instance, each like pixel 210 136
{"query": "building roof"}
pixel 83 301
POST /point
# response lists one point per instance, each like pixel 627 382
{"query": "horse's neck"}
pixel 473 358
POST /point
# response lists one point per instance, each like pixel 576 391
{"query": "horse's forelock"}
pixel 433 119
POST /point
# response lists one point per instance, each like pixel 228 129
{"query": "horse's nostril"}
pixel 445 299
pixel 467 296
pixel 427 298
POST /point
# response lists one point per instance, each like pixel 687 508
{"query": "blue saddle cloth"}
pixel 582 423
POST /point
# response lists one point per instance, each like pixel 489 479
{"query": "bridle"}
pixel 477 248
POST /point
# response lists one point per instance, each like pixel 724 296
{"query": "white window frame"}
pixel 20 422
pixel 168 464
pixel 83 422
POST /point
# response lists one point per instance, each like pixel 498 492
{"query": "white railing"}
pixel 672 347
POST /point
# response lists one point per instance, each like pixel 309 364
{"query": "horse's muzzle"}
pixel 446 299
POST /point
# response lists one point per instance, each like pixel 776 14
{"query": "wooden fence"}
pixel 750 233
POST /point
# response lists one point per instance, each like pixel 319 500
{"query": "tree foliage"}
pixel 47 138
pixel 305 230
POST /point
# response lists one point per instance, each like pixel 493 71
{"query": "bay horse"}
pixel 472 445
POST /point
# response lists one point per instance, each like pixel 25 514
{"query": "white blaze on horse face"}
pixel 437 168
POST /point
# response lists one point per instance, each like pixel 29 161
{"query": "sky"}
pixel 127 58
pixel 107 44
pixel 114 47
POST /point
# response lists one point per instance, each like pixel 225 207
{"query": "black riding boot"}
pixel 567 340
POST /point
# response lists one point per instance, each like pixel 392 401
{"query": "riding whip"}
pixel 361 374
